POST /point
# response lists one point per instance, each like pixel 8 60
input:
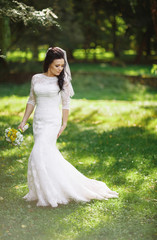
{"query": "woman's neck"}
pixel 49 74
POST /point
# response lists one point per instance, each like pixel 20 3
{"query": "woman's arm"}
pixel 29 109
pixel 65 96
pixel 30 105
pixel 65 113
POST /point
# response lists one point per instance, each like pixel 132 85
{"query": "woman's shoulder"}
pixel 36 76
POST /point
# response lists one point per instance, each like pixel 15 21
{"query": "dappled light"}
pixel 111 133
pixel 111 137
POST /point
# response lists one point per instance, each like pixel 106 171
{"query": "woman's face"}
pixel 56 67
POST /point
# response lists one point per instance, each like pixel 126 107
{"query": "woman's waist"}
pixel 46 110
pixel 49 106
pixel 48 101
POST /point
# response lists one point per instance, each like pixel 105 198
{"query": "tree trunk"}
pixel 35 53
pixel 94 55
pixel 5 34
pixel 70 55
pixel 86 54
pixel 148 42
pixel 140 49
pixel 154 14
pixel 114 27
pixel 4 44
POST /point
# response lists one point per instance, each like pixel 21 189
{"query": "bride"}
pixel 52 180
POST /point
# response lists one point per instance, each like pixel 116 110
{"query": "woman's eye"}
pixel 58 66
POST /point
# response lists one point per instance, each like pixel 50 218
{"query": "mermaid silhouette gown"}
pixel 52 180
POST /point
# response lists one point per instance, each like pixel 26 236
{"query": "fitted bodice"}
pixel 45 92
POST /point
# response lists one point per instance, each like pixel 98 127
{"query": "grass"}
pixel 131 70
pixel 111 136
pixel 99 68
pixel 23 60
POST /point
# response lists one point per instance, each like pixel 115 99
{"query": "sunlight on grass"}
pixel 106 68
pixel 133 176
pixel 111 137
pixel 87 161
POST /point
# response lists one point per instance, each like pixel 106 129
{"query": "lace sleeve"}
pixel 32 99
pixel 65 95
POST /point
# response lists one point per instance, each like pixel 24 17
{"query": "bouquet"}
pixel 15 136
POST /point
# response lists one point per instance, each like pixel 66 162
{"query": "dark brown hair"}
pixel 51 55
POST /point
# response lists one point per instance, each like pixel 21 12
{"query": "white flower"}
pixel 14 136
pixel 8 139
pixel 7 130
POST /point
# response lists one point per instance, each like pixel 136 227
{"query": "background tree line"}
pixel 115 25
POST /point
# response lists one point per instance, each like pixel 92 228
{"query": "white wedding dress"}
pixel 52 180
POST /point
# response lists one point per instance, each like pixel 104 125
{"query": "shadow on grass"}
pixel 115 154
pixel 123 158
pixel 137 228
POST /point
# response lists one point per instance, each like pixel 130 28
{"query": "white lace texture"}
pixel 52 180
pixel 41 79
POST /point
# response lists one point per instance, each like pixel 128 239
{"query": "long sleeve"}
pixel 66 94
pixel 32 98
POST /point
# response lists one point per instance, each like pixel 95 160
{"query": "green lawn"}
pixel 111 136
pixel 23 61
pixel 97 68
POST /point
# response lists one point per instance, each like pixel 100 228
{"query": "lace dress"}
pixel 52 180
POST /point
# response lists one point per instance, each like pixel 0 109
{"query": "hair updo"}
pixel 51 55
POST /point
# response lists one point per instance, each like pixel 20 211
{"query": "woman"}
pixel 51 179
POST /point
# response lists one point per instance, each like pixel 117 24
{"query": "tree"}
pixel 154 14
pixel 140 24
pixel 70 35
pixel 14 11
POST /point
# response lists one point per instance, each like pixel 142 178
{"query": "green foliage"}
pixel 71 34
pixel 154 69
pixel 115 26
pixel 79 55
pixel 111 136
pixel 6 34
pixel 18 11
pixel 16 17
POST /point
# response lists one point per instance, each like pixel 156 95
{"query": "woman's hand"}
pixel 22 124
pixel 61 129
